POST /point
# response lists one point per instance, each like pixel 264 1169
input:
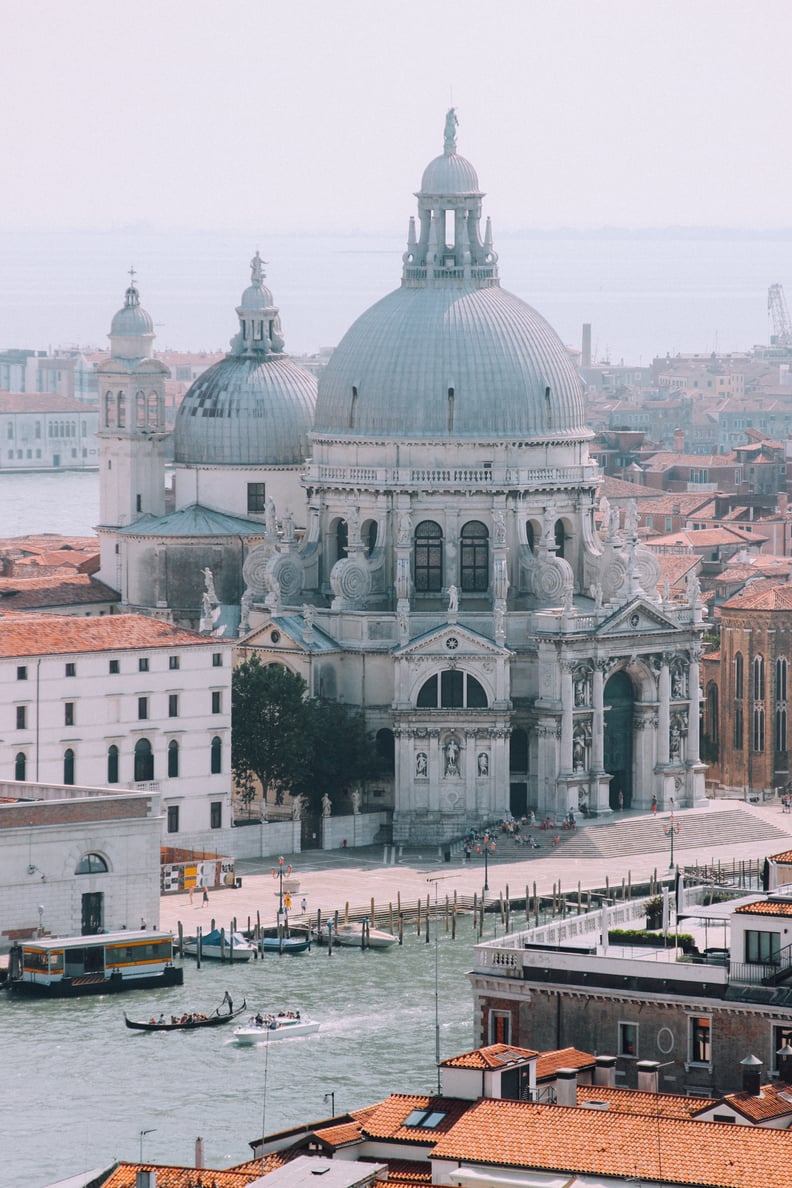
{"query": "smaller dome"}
pixel 256 297
pixel 132 319
pixel 450 174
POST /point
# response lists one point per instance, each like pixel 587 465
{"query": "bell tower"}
pixel 132 432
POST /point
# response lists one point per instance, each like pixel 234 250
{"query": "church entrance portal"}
pixel 619 698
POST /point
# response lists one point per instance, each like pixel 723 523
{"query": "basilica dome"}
pixel 450 354
pixel 255 407
pixel 131 319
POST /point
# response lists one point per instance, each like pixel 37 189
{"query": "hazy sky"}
pixel 321 114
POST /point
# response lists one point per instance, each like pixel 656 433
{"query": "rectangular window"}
pixel 142 707
pixel 217 659
pixel 173 818
pixel 21 672
pixel 21 717
pixel 68 713
pixel 628 1039
pixel 217 702
pixel 216 814
pixel 762 948
pixel 700 1040
pixel 173 662
pixel 256 497
pixel 71 669
pixel 173 705
pixel 500 1027
pixel 115 666
pixel 143 664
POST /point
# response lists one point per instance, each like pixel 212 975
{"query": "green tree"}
pixel 342 751
pixel 270 726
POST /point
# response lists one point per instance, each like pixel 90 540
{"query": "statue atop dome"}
pixel 257 269
pixel 449 135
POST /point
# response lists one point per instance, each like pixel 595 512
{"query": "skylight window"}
pixel 427 1119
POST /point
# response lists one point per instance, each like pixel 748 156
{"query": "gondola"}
pixel 216 1019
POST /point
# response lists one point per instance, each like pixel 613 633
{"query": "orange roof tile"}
pixel 37 635
pixel 387 1119
pixel 549 1063
pixel 775 1102
pixel 666 1150
pixel 766 907
pixel 124 1176
pixel 73 589
pixel 339 1135
pixel 41 402
pixel 633 1101
pixel 762 596
pixel 493 1056
pixel 407 1171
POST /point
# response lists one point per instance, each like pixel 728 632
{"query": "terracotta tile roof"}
pixel 73 589
pixel 633 1101
pixel 762 596
pixel 339 1135
pixel 493 1056
pixel 387 1119
pixel 766 907
pixel 41 402
pixel 680 504
pixel 784 857
pixel 549 1063
pixel 406 1171
pixel 605 1143
pixel 775 1102
pixel 185 1177
pixel 675 567
pixel 37 635
pixel 616 488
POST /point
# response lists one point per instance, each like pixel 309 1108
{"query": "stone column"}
pixel 598 722
pixel 567 705
pixel 693 755
pixel 664 711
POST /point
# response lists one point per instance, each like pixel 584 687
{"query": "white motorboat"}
pixel 352 935
pixel 263 1028
pixel 228 946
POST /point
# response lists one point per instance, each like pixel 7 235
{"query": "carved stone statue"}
pixel 452 757
pixel 500 528
pixel 613 523
pixel 271 518
pixel 421 764
pixel 581 691
pixel 677 683
pixel 288 526
pixel 449 132
pixel 631 518
pixel 403 617
pixel 355 801
pixel 257 269
pixel 499 615
pixel 296 808
pixel 308 617
pixel 405 529
pixel 244 616
pixel 207 607
pixel 578 752
pixel 675 739
pixel 327 805
pixel 208 577
pixel 693 589
pixel 483 763
pixel 453 599
pixel 604 508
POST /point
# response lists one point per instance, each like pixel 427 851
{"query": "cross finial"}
pixel 132 274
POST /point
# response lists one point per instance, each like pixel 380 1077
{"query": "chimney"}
pixel 783 503
pixel 145 1179
pixel 751 1075
pixel 648 1076
pixel 785 1064
pixel 199 1153
pixel 585 354
pixel 605 1071
pixel 566 1086
pixel 679 441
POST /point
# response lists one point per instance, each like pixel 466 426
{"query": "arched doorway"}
pixel 619 700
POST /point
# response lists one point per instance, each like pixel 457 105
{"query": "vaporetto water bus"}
pixel 64 966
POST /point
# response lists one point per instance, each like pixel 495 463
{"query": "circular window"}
pixel 665 1040
pixel 275 636
pixel 452 643
pixel 635 620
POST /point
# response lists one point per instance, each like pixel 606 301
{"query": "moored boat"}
pixel 190 1021
pixel 263 1028
pixel 288 940
pixel 66 966
pixel 220 945
pixel 361 936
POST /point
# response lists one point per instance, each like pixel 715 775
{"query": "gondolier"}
pixel 227 998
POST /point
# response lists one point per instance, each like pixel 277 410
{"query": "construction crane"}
pixel 779 316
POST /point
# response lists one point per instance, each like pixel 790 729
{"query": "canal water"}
pixel 78 1088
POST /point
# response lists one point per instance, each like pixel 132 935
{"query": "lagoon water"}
pixel 78 1087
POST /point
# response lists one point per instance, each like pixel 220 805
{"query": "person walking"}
pixel 621 801
pixel 654 806
pixel 205 895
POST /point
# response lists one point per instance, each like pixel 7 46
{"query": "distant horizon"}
pixel 602 231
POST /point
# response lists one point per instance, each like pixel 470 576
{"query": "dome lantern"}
pixel 259 319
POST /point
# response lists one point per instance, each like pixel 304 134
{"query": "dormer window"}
pixel 426 1119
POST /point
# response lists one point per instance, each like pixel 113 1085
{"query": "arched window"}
pixel 20 765
pixel 758 728
pixel 781 728
pixel 140 409
pixel 518 750
pixel 368 535
pixel 712 712
pixel 474 567
pixel 153 410
pixel 428 557
pixel 559 535
pixel 342 539
pixel 121 410
pixel 529 535
pixel 112 764
pixel 173 759
pixel 144 761
pixel 386 750
pixel 91 864
pixel 738 675
pixel 110 412
pixel 454 690
pixel 68 766
pixel 758 678
pixel 738 727
pixel 781 678
pixel 216 758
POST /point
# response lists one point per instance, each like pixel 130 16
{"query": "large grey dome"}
pixel 447 361
pixel 449 175
pixel 247 410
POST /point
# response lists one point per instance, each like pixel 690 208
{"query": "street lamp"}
pixel 671 830
pixel 143 1134
pixel 331 1097
pixel 488 848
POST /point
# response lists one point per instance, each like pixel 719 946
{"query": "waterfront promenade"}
pixel 625 846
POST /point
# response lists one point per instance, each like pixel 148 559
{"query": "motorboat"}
pixel 357 934
pixel 220 945
pixel 288 940
pixel 263 1028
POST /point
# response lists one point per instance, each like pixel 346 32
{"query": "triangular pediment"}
pixel 290 632
pixel 450 640
pixel 637 616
